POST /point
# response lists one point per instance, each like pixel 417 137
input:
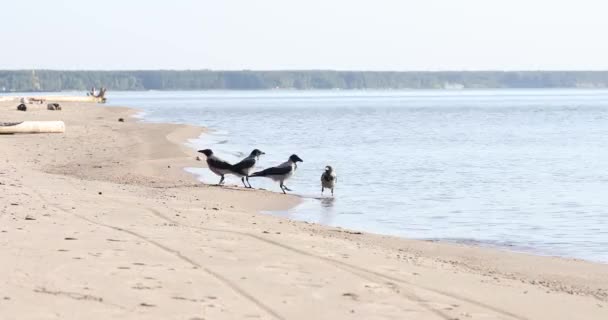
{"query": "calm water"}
pixel 526 170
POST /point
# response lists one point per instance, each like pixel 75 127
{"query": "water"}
pixel 520 169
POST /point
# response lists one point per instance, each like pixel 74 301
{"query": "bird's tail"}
pixel 257 174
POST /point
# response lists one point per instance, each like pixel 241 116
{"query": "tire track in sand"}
pixel 173 252
pixel 364 273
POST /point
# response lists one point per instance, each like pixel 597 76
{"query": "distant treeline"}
pixel 54 80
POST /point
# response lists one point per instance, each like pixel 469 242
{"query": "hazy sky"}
pixel 305 34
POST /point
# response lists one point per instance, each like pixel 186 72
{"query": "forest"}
pixel 57 80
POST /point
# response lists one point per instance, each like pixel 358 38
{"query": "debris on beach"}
pixel 32 127
pixel 143 304
pixel 53 106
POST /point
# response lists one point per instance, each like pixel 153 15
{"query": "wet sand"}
pixel 103 222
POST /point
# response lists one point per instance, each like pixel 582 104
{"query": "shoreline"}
pixel 487 245
pixel 120 191
pixel 140 116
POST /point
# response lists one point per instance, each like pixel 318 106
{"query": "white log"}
pixel 34 127
pixel 55 99
pixel 69 99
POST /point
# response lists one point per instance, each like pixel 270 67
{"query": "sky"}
pixel 397 35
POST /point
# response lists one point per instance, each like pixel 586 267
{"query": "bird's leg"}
pixel 322 189
pixel 332 192
pixel 249 183
pixel 243 180
pixel 285 187
pixel 221 180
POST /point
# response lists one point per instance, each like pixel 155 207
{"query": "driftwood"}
pixel 99 95
pixel 33 127
pixel 38 100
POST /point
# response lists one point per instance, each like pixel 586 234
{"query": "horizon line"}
pixel 302 70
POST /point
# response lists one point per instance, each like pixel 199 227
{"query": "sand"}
pixel 102 222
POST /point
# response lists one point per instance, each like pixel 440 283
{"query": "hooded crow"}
pixel 217 165
pixel 328 179
pixel 243 168
pixel 281 172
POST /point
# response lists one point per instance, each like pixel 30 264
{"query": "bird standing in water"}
pixel 328 179
pixel 243 168
pixel 217 165
pixel 281 172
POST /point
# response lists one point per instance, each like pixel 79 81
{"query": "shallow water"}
pixel 521 169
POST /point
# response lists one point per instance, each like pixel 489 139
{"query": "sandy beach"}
pixel 102 222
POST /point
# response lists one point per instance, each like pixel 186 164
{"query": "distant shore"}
pixel 103 222
pixel 58 80
pixel 10 96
